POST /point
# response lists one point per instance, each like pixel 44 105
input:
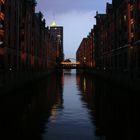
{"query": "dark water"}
pixel 70 106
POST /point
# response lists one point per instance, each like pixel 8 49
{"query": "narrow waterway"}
pixel 70 118
pixel 70 106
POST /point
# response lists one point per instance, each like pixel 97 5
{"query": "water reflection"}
pixel 117 112
pixel 73 121
pixel 24 112
pixel 114 110
pixel 69 106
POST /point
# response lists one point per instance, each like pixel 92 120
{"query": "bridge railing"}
pixel 70 65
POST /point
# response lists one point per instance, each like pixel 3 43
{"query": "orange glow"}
pixel 132 21
pixel 131 7
pixel 70 63
pixel 2 16
pixel 2 1
pixel 84 85
pixel 132 35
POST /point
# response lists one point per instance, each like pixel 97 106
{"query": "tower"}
pixel 57 33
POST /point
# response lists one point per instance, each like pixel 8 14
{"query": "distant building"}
pixel 100 37
pixel 57 33
pixel 81 52
pixel 86 52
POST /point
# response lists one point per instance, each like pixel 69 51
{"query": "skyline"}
pixel 77 19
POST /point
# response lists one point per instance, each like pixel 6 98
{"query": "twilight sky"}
pixel 76 16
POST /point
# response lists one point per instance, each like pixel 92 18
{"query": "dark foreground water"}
pixel 70 106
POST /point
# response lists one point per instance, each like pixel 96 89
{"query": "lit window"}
pixel 132 35
pixel 124 17
pixel 132 21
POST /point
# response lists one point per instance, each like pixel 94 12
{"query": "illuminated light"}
pixel 70 63
pixel 132 21
pixel 54 113
pixel 132 35
pixel 53 24
pixel 131 47
pixel 84 83
pixel 91 64
pixel 131 7
pixel 2 1
pixel 1 42
pixel 2 16
pixel 125 17
pixel 59 36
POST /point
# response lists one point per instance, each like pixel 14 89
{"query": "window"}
pixel 124 17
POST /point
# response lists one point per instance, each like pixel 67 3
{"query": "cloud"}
pixel 62 6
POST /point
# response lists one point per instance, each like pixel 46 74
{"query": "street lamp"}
pixel 84 61
pixel 1 42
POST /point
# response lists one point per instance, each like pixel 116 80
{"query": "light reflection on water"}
pixel 70 106
pixel 73 120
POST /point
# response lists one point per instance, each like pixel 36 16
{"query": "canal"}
pixel 70 106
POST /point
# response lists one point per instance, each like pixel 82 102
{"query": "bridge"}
pixel 67 64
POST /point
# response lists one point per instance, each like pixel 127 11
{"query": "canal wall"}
pixel 125 80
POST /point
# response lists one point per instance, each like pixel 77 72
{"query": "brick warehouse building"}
pixel 117 41
pixel 81 52
pixel 27 48
pixel 85 52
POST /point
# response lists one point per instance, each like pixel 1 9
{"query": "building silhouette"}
pixel 116 41
pixel 28 49
pixel 57 33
